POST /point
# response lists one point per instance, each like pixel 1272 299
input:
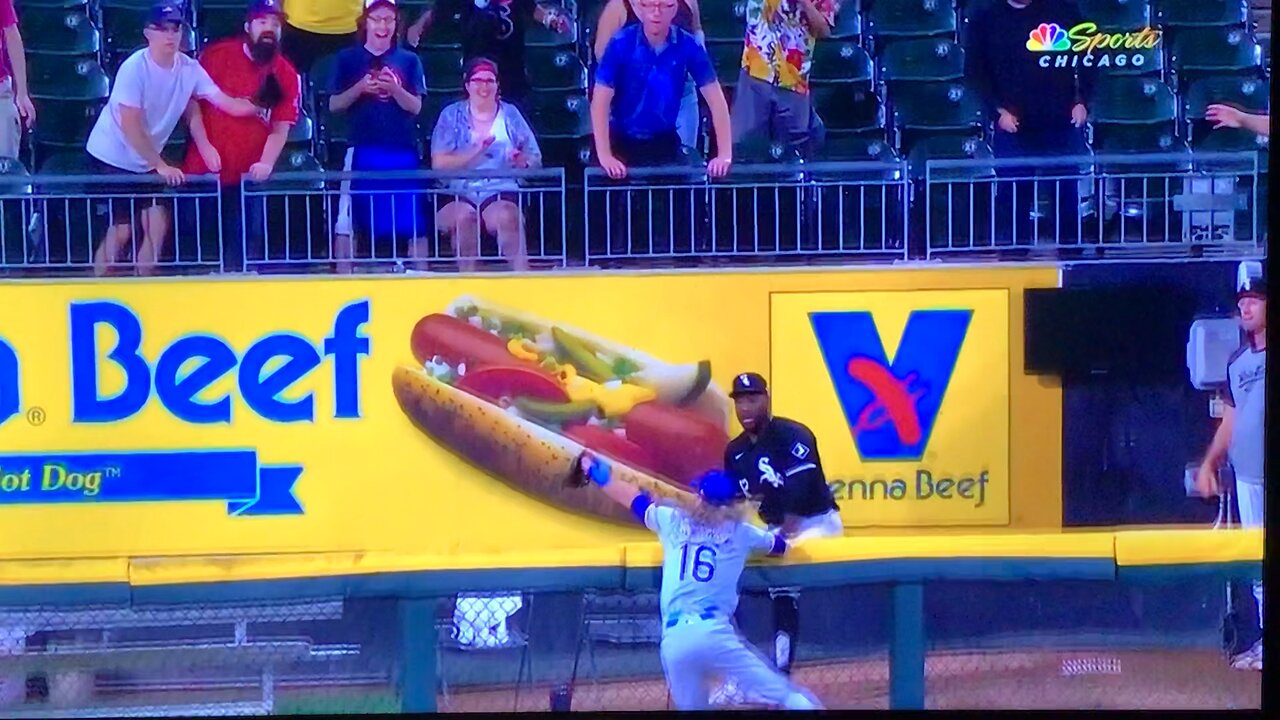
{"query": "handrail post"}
pixel 418 671
pixel 906 648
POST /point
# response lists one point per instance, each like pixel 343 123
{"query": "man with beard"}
pixel 775 460
pixel 1242 434
pixel 495 29
pixel 249 65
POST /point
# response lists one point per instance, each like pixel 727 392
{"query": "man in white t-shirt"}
pixel 153 89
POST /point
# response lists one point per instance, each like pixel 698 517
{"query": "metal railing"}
pixel 1078 208
pixel 1086 207
pixel 779 212
pixel 111 224
pixel 415 220
pixel 1030 634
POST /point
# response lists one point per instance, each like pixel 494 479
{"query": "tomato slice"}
pixel 458 341
pixel 611 445
pixel 493 383
pixel 682 442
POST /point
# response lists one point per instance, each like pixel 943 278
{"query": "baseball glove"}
pixel 577 478
pixel 269 93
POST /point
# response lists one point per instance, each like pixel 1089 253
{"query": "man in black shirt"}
pixel 1038 100
pixel 775 460
pixel 494 29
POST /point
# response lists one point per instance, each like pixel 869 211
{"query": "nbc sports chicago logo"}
pixel 1084 45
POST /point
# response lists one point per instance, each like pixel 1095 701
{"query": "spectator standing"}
pixel 152 90
pixel 495 29
pixel 636 100
pixel 484 132
pixel 1241 436
pixel 16 110
pixel 248 65
pixel 380 86
pixel 617 14
pixel 318 28
pixel 1038 111
pixel 772 95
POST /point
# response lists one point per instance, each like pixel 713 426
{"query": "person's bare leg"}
pixel 462 224
pixel 108 252
pixel 155 231
pixel 343 252
pixel 503 219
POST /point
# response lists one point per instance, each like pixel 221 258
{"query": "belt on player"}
pixel 677 618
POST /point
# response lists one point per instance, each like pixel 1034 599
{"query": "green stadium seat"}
pixel 840 61
pixel 24 6
pixel 59 31
pixel 65 123
pixel 566 151
pixel 1201 13
pixel 1214 50
pixel 1232 140
pixel 443 69
pixel 444 33
pixel 845 109
pixel 726 57
pixel 936 107
pixel 539 36
pixel 922 60
pixel 219 22
pixel 848 147
pixel 302 135
pixel 1243 93
pixel 848 25
pixel 558 113
pixel 1117 15
pixel 895 19
pixel 123 21
pixel 723 20
pixel 65 77
pixel 434 103
pixel 1142 63
pixel 555 69
pixel 950 147
pixel 1132 101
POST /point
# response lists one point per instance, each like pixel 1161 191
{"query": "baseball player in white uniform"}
pixel 704 549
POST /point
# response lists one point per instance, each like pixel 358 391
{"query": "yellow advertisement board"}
pixel 439 415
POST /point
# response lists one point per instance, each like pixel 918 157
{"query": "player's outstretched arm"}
pixel 599 471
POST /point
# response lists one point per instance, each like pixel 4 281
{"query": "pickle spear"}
pixel 579 354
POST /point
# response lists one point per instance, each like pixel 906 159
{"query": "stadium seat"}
pixel 950 147
pixel 840 61
pixel 1244 93
pixel 727 59
pixel 723 20
pixel 444 33
pixel 219 20
pixel 1214 50
pixel 566 151
pixel 1201 13
pixel 1132 101
pixel 434 103
pixel 302 134
pixel 59 31
pixel 1232 140
pixel 852 110
pixel 1140 63
pixel 848 25
pixel 65 123
pixel 922 60
pixel 538 35
pixel 123 21
pixel 846 147
pixel 555 69
pixel 896 19
pixel 559 113
pixel 443 69
pixel 1117 15
pixel 936 107
pixel 64 77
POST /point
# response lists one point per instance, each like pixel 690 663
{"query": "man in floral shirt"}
pixel 773 89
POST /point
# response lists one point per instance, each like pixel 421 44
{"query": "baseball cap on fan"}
pixel 1251 281
pixel 371 4
pixel 164 12
pixel 717 488
pixel 748 384
pixel 263 8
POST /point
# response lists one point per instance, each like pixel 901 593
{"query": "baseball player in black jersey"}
pixel 775 460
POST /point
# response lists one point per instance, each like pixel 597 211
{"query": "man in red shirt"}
pixel 16 110
pixel 249 65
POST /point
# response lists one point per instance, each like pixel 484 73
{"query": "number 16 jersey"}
pixel 701 565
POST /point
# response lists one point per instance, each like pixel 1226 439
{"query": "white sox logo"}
pixel 768 474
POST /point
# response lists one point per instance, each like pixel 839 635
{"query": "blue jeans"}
pixel 1014 223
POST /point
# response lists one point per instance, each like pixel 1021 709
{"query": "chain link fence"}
pixel 987 645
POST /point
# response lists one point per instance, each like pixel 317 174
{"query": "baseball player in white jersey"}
pixel 704 549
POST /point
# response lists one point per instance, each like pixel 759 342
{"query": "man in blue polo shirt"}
pixel 639 83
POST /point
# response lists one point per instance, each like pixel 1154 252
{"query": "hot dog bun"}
pixel 713 403
pixel 524 455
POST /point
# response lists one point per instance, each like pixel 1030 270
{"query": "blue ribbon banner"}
pixel 231 476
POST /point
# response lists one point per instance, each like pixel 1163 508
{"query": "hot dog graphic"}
pixel 523 397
